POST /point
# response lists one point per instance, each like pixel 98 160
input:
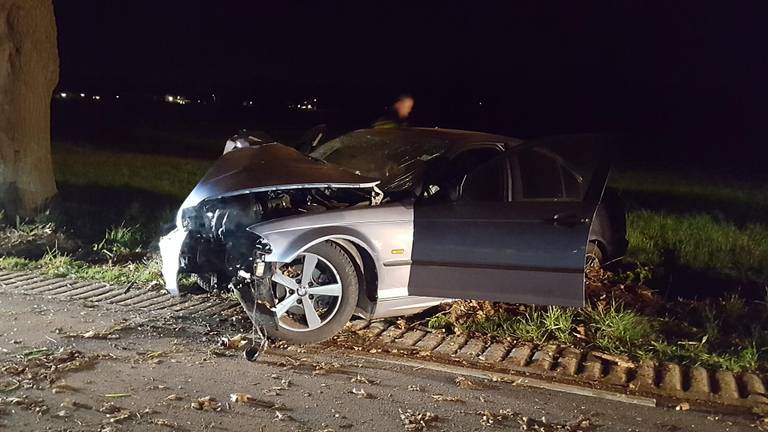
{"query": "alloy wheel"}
pixel 307 293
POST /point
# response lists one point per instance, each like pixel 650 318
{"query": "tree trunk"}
pixel 29 71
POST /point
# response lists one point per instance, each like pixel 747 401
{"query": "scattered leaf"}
pixel 444 398
pixel 417 420
pixel 207 403
pixel 466 383
pixel 359 379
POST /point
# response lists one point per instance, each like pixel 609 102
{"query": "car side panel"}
pixel 385 232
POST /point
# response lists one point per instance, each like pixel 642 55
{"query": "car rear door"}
pixel 518 240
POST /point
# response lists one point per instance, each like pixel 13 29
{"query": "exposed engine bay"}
pixel 218 244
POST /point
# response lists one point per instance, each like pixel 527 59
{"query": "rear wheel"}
pixel 315 294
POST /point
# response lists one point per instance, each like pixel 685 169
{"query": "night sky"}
pixel 693 68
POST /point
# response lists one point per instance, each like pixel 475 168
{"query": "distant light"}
pixel 309 106
pixel 314 100
pixel 82 94
pixel 97 97
pixel 63 94
pixel 480 103
pixel 169 98
pixel 117 96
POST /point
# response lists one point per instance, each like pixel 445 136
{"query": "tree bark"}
pixel 29 71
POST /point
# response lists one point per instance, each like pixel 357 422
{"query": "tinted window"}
pixel 540 176
pixel 487 182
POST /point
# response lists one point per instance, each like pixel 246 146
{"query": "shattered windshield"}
pixel 396 157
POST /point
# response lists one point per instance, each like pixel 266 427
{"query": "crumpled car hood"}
pixel 267 167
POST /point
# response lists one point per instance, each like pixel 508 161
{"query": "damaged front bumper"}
pixel 170 254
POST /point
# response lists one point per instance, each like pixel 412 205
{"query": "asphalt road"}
pixel 155 369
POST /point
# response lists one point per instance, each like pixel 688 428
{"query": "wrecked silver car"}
pixel 387 222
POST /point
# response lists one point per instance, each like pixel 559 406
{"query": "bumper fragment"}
pixel 170 254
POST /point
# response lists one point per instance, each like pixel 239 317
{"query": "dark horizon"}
pixel 691 69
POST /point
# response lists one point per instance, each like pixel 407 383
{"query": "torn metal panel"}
pixel 270 167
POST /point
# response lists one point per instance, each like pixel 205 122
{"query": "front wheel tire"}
pixel 315 294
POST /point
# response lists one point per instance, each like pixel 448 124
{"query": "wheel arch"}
pixel 351 241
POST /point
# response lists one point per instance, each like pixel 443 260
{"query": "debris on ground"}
pixel 46 365
pixel 109 408
pixel 362 394
pixel 62 414
pixel 119 417
pixel 63 387
pixel 246 399
pixel 174 397
pixel 282 417
pixel 417 420
pixel 164 422
pixel 75 404
pixel 359 379
pixel 414 387
pixel 35 405
pixel 108 333
pixel 233 343
pixel 762 424
pixel 488 418
pixel 466 384
pixel 444 398
pixel 622 361
pixel 9 385
pixel 683 406
pixel 207 403
pixel 117 395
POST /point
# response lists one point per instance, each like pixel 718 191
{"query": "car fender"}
pixel 384 232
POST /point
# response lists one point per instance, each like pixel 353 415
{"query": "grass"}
pixel 700 242
pixel 121 242
pixel 619 331
pixel 710 223
pixel 144 273
pixel 615 329
pixel 166 175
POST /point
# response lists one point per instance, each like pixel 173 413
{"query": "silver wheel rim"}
pixel 308 297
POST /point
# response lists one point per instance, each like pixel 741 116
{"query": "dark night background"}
pixel 682 82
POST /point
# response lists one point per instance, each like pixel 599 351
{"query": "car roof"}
pixel 454 139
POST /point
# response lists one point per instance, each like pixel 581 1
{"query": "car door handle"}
pixel 568 219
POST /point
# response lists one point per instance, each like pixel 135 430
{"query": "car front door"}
pixel 512 229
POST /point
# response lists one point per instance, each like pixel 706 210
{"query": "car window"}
pixel 544 177
pixel 539 175
pixel 486 182
pixel 395 157
pixel 445 178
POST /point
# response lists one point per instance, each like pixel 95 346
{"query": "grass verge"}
pixel 630 321
pixel 166 175
pixel 145 273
